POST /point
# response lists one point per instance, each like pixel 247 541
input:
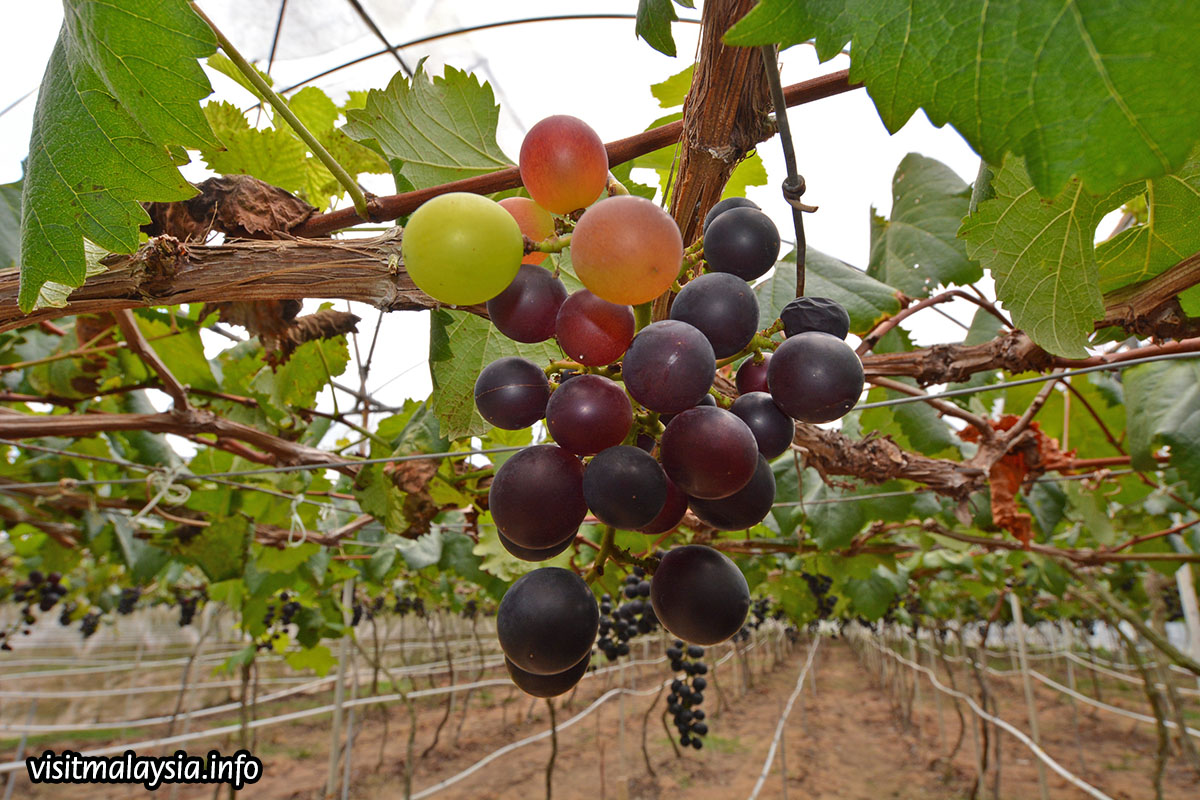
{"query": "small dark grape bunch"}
pixel 189 601
pixel 128 600
pixel 409 605
pixel 819 586
pixel 759 611
pixel 278 617
pixel 470 609
pixel 686 698
pixel 620 623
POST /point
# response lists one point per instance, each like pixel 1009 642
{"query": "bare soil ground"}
pixel 845 740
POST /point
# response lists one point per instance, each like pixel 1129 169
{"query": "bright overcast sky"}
pixel 595 70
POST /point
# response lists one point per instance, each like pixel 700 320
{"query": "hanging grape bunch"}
pixel 638 438
pixel 684 701
pixel 620 623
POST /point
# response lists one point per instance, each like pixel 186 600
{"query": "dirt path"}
pixel 843 741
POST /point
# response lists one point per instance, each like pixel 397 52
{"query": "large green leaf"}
pixel 917 249
pixel 1102 89
pixel 121 87
pixel 1163 407
pixel 866 299
pixel 441 130
pixel 460 345
pixel 10 224
pixel 1041 254
pixel 273 155
pixel 1170 234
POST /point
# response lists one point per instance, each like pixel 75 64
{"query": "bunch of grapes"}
pixel 620 624
pixel 189 602
pixel 277 618
pixel 127 602
pixel 409 605
pixel 685 700
pixel 637 436
pixel 38 591
pixel 819 585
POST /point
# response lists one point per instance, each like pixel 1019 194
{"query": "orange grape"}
pixel 627 250
pixel 564 165
pixel 534 222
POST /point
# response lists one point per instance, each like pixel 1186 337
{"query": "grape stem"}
pixel 641 315
pixel 551 244
pixel 606 549
pixel 564 364
pixel 281 107
pixel 761 341
pixel 623 556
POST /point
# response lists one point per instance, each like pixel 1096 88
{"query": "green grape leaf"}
pixel 220 549
pixel 273 155
pixel 422 552
pixel 320 659
pixel 458 558
pixel 866 299
pixel 872 596
pixel 1170 233
pixel 10 224
pixel 286 559
pixel 224 65
pixel 440 130
pixel 460 345
pixel 1077 88
pixel 654 18
pixel 671 92
pixel 1163 407
pixel 917 249
pixel 1041 254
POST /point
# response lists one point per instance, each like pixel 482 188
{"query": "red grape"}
pixel 772 429
pixel 815 377
pixel 511 393
pixel 625 487
pixel 588 413
pixel 528 309
pixel 563 164
pixel 669 367
pixel 708 452
pixel 672 512
pixel 547 621
pixel 536 497
pixel 744 508
pixel 534 222
pixel 592 331
pixel 699 595
pixel 627 250
pixel 751 376
pixel 722 307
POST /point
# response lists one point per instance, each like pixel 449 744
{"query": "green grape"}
pixel 462 248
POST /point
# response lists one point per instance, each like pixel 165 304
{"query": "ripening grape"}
pixel 673 509
pixel 536 497
pixel 592 331
pixel 815 314
pixel 772 429
pixel 528 309
pixel 563 164
pixel 624 487
pixel 547 685
pixel 815 377
pixel 722 307
pixel 752 375
pixel 744 508
pixel 724 205
pixel 512 393
pixel 589 413
pixel 742 241
pixel 547 621
pixel 626 249
pixel 527 554
pixel 534 222
pixel 708 452
pixel 461 248
pixel 669 367
pixel 699 594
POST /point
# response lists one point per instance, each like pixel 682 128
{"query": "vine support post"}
pixel 1191 610
pixel 12 776
pixel 1019 623
pixel 339 692
pixel 1075 713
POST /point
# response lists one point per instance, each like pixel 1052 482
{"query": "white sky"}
pixel 595 70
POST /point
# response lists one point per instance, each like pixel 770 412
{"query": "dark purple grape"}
pixel 699 595
pixel 536 497
pixel 815 377
pixel 772 429
pixel 708 452
pixel 528 309
pixel 815 314
pixel 673 509
pixel 593 331
pixel 707 400
pixel 547 621
pixel 743 242
pixel 744 508
pixel 547 685
pixel 625 487
pixel 511 393
pixel 752 376
pixel 526 554
pixel 722 307
pixel 669 367
pixel 725 205
pixel 588 414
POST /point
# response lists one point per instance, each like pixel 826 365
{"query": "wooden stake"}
pixel 1019 620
